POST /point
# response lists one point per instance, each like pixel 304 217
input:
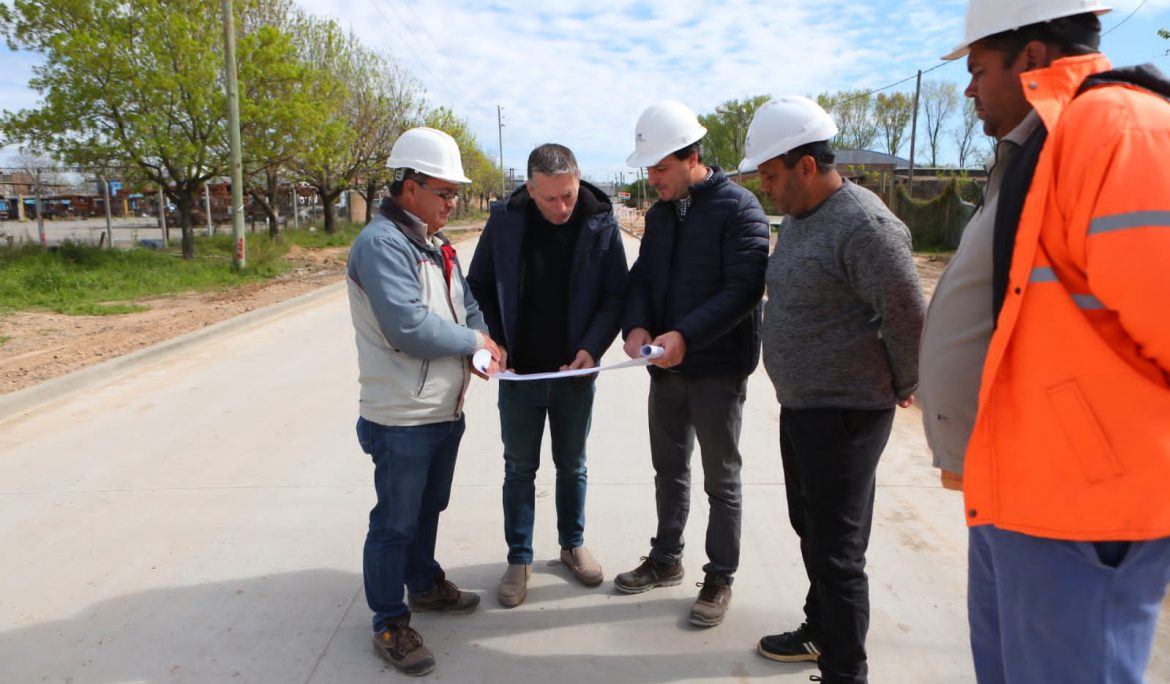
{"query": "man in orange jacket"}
pixel 1061 442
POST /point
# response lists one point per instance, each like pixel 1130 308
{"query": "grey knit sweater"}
pixel 844 311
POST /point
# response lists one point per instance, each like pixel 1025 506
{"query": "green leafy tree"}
pixel 727 131
pixel 125 84
pixel 484 174
pixel 892 114
pixel 853 111
pixel 397 107
pixel 277 108
pixel 338 148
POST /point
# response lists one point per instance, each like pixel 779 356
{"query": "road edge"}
pixel 21 402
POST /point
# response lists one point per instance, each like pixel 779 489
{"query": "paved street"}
pixel 199 518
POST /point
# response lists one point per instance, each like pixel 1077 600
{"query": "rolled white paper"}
pixel 481 360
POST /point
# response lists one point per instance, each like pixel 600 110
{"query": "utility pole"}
pixel 40 213
pixel 207 207
pixel 109 227
pixel 500 125
pixel 292 185
pixel 229 51
pixel 913 136
pixel 162 216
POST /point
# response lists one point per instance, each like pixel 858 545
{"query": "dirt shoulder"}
pixel 45 345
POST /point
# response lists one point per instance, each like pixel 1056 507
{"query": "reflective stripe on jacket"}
pixel 1072 440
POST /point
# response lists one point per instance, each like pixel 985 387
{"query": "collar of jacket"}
pixel 1049 90
pixel 408 223
pixel 714 178
pixel 598 203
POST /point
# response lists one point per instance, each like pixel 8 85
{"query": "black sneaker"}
pixel 648 575
pixel 790 647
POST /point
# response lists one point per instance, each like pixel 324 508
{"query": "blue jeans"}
pixel 1047 610
pixel 413 468
pixel 568 406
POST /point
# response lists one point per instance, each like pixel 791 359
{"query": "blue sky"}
pixel 579 72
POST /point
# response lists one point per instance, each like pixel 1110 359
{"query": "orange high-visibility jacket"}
pixel 1072 438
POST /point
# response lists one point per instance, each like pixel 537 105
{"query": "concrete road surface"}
pixel 199 517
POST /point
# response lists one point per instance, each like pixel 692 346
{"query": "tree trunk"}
pixel 371 188
pixel 185 201
pixel 327 199
pixel 272 207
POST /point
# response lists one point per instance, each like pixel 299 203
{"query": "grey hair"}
pixel 552 159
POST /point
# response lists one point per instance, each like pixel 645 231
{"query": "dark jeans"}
pixel 413 468
pixel 524 406
pixel 1049 610
pixel 681 409
pixel 830 459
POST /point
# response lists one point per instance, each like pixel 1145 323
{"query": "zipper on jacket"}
pixel 424 370
pixel 466 369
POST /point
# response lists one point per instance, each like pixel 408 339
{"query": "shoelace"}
pixel 708 592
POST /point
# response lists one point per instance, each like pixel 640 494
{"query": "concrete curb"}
pixel 21 402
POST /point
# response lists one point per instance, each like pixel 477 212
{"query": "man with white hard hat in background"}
pixel 416 326
pixel 694 290
pixel 841 331
pixel 1046 354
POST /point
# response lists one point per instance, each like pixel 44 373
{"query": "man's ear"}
pixel 1037 55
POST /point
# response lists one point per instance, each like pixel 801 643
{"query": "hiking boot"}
pixel 583 565
pixel 790 647
pixel 648 575
pixel 514 585
pixel 444 598
pixel 714 596
pixel 401 646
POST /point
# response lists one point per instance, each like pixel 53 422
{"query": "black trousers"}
pixel 830 459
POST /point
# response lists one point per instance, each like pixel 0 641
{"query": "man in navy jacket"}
pixel 694 290
pixel 550 274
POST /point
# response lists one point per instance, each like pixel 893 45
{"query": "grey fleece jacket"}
pixel 844 311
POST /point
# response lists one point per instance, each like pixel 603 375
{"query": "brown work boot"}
pixel 444 598
pixel 514 585
pixel 648 575
pixel 583 565
pixel 401 646
pixel 714 595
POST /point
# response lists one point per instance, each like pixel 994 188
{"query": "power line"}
pixel 1118 24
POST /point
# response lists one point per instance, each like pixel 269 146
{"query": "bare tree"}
pixel 939 100
pixel 967 133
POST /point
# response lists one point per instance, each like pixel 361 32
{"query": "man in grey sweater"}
pixel 841 330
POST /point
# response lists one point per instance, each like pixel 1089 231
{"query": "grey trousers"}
pixel 681 409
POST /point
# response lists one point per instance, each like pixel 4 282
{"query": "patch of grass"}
pixel 84 279
pixel 4 339
pixel 91 309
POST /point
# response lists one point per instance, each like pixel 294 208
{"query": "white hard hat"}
pixel 989 17
pixel 428 151
pixel 665 127
pixel 781 125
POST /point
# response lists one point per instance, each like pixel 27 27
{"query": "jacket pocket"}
pixel 1085 437
pixel 423 371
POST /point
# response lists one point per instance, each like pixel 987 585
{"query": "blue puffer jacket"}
pixel 704 277
pixel 597 283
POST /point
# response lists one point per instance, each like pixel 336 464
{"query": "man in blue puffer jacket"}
pixel 694 290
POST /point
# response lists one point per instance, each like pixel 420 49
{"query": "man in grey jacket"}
pixel 841 329
pixel 416 326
